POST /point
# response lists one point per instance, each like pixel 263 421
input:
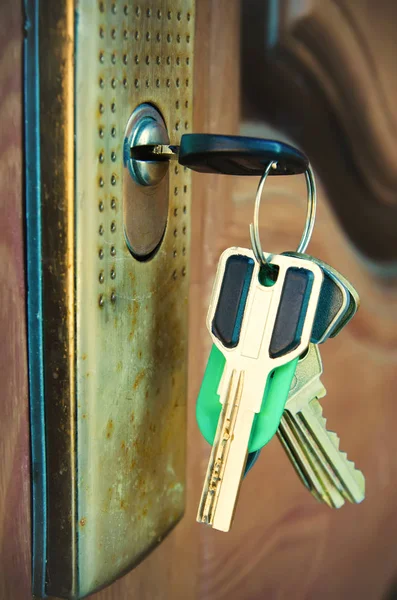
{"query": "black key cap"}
pixel 238 155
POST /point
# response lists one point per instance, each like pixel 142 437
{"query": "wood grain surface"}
pixel 14 420
pixel 323 72
pixel 283 543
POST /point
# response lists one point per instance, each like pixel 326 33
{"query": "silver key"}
pixel 306 463
pixel 309 470
pixel 303 426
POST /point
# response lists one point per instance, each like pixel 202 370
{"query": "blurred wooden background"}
pixel 283 543
pixel 14 415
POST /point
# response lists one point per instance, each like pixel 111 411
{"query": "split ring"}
pixel 310 216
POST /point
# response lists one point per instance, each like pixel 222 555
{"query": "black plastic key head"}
pixel 231 303
pixel 238 155
pixel 228 317
pixel 337 304
pixel 332 305
pixel 291 312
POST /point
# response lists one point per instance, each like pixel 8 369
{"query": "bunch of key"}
pixel 267 316
pixel 263 377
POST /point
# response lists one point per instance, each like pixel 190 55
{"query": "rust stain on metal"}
pixel 109 429
pixel 133 309
pixel 138 379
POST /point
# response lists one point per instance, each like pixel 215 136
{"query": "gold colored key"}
pixel 256 330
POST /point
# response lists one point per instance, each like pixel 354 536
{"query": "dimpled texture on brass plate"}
pixel 131 316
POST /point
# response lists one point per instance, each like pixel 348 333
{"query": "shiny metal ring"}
pixel 310 215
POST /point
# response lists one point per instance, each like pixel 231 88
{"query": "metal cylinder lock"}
pixel 145 191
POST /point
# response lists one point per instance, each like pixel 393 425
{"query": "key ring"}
pixel 310 216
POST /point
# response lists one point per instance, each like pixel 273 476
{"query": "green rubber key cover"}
pixel 266 422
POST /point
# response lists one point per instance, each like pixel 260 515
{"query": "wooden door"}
pixel 283 544
pixel 14 422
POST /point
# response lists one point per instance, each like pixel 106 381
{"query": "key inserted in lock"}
pixel 147 152
pixel 225 154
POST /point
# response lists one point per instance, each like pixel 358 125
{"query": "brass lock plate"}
pixel 113 328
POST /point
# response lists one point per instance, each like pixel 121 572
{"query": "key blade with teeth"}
pixel 304 426
pixel 306 385
pixel 316 476
pixel 349 480
pixel 308 468
pixel 258 328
